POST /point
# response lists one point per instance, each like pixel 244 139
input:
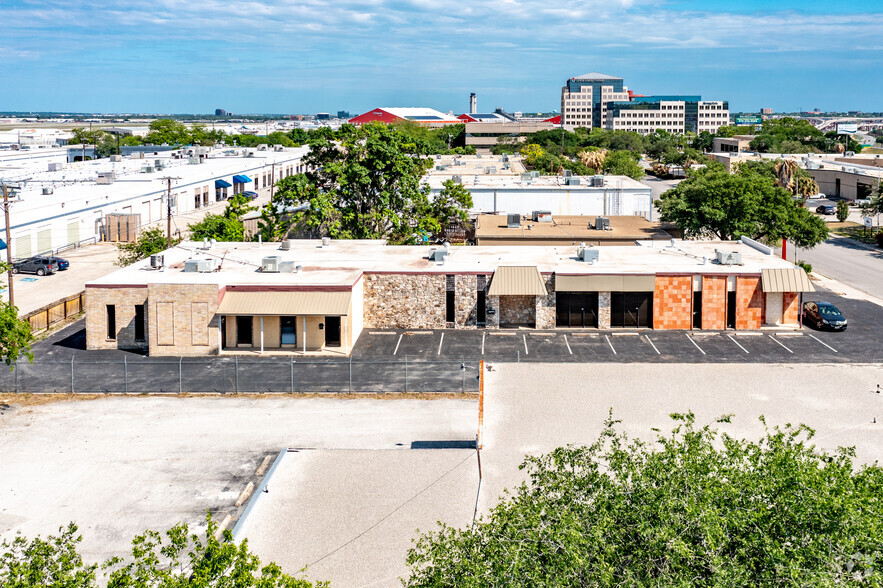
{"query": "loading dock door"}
pixel 631 309
pixel 576 309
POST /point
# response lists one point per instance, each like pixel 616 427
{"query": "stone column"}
pixel 603 310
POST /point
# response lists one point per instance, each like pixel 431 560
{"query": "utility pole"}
pixel 168 181
pixel 8 242
pixel 272 179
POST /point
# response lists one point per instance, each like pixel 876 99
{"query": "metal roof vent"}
pixel 270 264
pixel 285 245
pixel 326 241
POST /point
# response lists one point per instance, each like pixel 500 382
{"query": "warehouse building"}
pixel 317 296
pixel 543 228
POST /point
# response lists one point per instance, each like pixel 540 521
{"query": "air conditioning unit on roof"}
pixel 202 266
pixel 270 264
pixel 728 257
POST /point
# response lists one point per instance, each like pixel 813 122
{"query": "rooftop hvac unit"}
pixel 587 254
pixel 597 181
pixel 48 191
pixel 505 158
pixel 441 167
pixel 491 169
pixel 249 153
pixel 728 257
pixel 458 179
pixel 573 181
pixel 114 158
pixel 285 245
pixel 567 173
pixel 202 266
pixel 278 147
pixel 262 147
pixel 505 166
pixel 542 216
pixel 105 178
pixel 602 223
pixel 191 161
pixel 289 267
pixel 438 254
pixel 534 174
pixel 526 177
pixel 137 155
pixel 56 167
pixel 270 264
pixel 156 261
pixel 513 221
pixel 148 169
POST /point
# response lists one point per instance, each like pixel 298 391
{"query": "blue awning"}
pixel 241 179
pixel 2 244
pixel 223 184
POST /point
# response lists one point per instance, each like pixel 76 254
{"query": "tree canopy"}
pixel 150 241
pixel 693 508
pixel 364 183
pixel 226 226
pixel 15 333
pixel 713 202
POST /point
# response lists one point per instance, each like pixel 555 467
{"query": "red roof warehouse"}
pixel 423 116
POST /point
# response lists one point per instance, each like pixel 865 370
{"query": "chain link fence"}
pixel 232 375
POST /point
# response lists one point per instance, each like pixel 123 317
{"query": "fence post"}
pixel 126 372
pixel 291 363
pixel 181 375
pixel 236 371
pixel 72 374
pixel 406 374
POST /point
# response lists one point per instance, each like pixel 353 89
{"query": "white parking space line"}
pixel 524 337
pixel 694 343
pixel 440 341
pixel 398 343
pixel 652 345
pixel 568 345
pixel 823 343
pixel 611 344
pixel 780 343
pixel 737 343
pixel 483 335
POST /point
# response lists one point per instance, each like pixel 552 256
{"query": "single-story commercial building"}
pixel 544 228
pixel 309 295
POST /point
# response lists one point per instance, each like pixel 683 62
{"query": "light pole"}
pixel 7 188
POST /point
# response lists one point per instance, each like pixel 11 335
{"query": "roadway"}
pixel 849 262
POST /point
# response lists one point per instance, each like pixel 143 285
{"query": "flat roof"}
pixel 569 227
pixel 342 262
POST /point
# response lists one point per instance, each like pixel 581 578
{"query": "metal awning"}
pixel 241 179
pixel 223 184
pixel 517 280
pixel 286 303
pixel 786 280
pixel 604 283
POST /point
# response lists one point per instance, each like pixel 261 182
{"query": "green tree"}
pixel 449 208
pixel 53 561
pixel 842 210
pixel 704 142
pixel 150 241
pixel 623 163
pixel 105 143
pixel 227 226
pixel 15 333
pixel 278 218
pixel 713 202
pixel 694 507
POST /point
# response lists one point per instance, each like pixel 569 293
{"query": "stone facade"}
pixel 749 303
pixel 545 309
pixel 714 303
pixel 404 301
pixel 465 300
pixel 124 300
pixel 791 308
pixel 604 310
pixel 673 302
pixel 493 320
pixel 182 319
pixel 517 310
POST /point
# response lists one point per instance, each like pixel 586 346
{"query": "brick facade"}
pixel 124 301
pixel 714 303
pixel 405 301
pixel 790 308
pixel 182 319
pixel 749 303
pixel 673 302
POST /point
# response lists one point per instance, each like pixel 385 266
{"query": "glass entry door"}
pixel 288 330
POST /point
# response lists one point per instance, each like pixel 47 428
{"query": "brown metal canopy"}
pixel 786 280
pixel 286 303
pixel 517 280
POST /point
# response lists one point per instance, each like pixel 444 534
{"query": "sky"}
pixel 307 56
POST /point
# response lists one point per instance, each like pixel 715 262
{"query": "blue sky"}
pixel 302 56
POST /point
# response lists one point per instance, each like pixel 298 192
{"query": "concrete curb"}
pixel 240 524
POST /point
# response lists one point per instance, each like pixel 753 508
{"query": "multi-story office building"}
pixel 598 100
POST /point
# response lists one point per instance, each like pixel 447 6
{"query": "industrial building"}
pixel 422 116
pixel 318 295
pixel 543 228
pixel 59 205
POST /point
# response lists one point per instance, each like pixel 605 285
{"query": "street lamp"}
pixel 9 190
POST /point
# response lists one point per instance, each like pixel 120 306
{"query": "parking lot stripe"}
pixel 483 335
pixel 524 338
pixel 440 341
pixel 652 345
pixel 398 343
pixel 697 345
pixel 823 343
pixel 568 345
pixel 737 343
pixel 611 344
pixel 780 343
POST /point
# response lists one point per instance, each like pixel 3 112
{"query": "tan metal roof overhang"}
pixel 786 280
pixel 604 283
pixel 517 280
pixel 286 303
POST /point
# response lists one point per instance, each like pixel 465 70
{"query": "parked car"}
pixel 35 265
pixel 63 264
pixel 250 195
pixel 823 315
pixel 826 209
